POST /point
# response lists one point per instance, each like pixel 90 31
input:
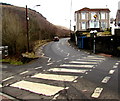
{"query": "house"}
pixel 88 18
pixel 118 15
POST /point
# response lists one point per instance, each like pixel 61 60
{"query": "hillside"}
pixel 14 28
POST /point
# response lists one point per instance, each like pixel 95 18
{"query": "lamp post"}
pixel 27 28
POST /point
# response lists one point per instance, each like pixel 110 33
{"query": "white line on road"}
pixel 59 61
pixel 38 67
pixel 0 86
pixel 70 65
pixel 49 59
pixel 116 63
pixel 55 77
pixel 97 92
pixel 111 71
pixel 68 54
pixel 115 66
pixel 79 62
pixel 106 79
pixel 93 60
pixel 65 58
pixel 68 70
pixel 8 78
pixel 38 88
pixel 24 72
pixel 49 63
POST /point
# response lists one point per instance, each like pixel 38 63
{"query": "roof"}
pixel 93 9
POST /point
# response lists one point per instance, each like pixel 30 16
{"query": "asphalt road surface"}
pixel 65 73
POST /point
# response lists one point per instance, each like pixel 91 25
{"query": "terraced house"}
pixel 87 18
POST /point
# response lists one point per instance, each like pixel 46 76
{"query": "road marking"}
pixel 0 86
pixel 68 70
pixel 106 79
pixel 38 88
pixel 38 67
pixel 115 66
pixel 111 71
pixel 8 78
pixel 90 60
pixel 97 92
pixel 70 65
pixel 55 77
pixel 49 63
pixel 49 59
pixel 0 52
pixel 54 98
pixel 68 54
pixel 116 63
pixel 78 62
pixel 24 72
pixel 59 60
pixel 65 58
pixel 95 58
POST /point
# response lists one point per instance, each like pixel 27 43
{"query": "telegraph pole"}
pixel 28 48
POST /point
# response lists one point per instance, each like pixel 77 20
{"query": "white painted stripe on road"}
pixel 70 65
pixel 49 59
pixel 111 71
pixel 8 78
pixel 106 79
pixel 68 54
pixel 68 70
pixel 115 66
pixel 79 62
pixel 65 58
pixel 24 72
pixel 49 63
pixel 116 63
pixel 38 88
pixel 55 77
pixel 97 92
pixel 59 60
pixel 0 86
pixel 95 57
pixel 0 52
pixel 38 67
pixel 90 60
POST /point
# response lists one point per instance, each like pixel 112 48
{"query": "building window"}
pixel 102 15
pixel 92 15
pixel 83 15
pixel 83 25
pixel 103 25
pixel 94 24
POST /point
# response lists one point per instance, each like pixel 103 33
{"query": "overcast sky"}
pixel 59 12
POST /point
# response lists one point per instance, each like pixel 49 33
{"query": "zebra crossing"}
pixel 78 66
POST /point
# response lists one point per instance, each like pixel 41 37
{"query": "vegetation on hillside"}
pixel 14 29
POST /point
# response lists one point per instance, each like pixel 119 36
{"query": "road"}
pixel 63 72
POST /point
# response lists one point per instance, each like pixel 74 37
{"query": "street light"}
pixel 27 28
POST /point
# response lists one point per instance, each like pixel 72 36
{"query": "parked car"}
pixel 56 38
